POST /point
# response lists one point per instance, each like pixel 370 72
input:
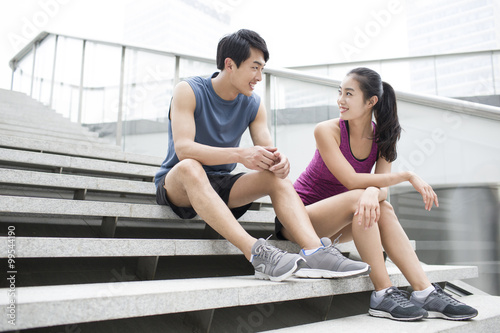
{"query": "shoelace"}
pixel 333 249
pixel 445 296
pixel 269 252
pixel 400 297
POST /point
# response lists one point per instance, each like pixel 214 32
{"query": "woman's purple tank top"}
pixel 317 182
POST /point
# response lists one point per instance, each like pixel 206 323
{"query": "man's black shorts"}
pixel 222 184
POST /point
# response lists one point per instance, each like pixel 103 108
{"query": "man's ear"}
pixel 229 64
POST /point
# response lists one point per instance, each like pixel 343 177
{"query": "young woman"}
pixel 345 200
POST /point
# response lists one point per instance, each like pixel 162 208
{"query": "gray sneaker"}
pixel 441 305
pixel 271 263
pixel 328 262
pixel 395 305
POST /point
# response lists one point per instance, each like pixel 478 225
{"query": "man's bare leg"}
pixel 188 186
pixel 287 204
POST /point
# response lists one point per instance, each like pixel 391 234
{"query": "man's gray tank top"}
pixel 219 123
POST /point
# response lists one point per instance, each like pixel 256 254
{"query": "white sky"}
pixel 297 32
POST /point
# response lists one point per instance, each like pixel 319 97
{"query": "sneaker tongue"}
pixel 257 244
pixel 326 241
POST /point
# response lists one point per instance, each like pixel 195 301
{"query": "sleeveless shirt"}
pixel 317 182
pixel 219 123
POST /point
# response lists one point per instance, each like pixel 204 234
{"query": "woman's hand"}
pixel 428 194
pixel 368 211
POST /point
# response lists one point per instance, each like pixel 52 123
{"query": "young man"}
pixel 207 119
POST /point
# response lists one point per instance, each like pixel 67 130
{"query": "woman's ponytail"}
pixel 385 110
pixel 388 128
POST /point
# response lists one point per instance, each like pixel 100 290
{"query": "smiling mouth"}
pixel 342 110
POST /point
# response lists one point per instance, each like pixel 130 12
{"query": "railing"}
pixel 99 82
pixel 103 85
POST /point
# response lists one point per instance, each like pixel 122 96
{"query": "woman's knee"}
pixel 387 214
pixel 386 208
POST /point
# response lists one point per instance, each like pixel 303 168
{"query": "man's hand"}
pixel 259 158
pixel 281 168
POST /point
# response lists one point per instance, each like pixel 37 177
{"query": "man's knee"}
pixel 189 169
pixel 274 183
pixel 187 173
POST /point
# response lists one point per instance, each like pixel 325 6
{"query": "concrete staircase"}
pixel 85 248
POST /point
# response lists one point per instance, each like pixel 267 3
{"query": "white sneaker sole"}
pixel 297 266
pixel 326 274
pixel 434 314
pixel 384 314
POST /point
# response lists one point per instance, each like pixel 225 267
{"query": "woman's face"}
pixel 351 101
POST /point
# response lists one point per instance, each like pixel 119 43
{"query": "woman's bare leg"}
pixel 334 217
pixel 331 215
pixel 398 248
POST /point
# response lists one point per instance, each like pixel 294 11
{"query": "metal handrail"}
pixel 44 34
pixel 445 103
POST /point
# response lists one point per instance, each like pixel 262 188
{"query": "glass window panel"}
pixel 22 75
pixel 148 85
pixel 190 68
pixel 67 77
pixel 101 83
pixel 296 109
pixel 43 69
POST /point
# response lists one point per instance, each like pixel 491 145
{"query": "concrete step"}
pixel 64 207
pixel 77 149
pixel 13 96
pixel 46 132
pixel 488 320
pixel 56 247
pixel 71 304
pixel 28 106
pixel 60 164
pixel 38 136
pixel 79 184
pixel 33 115
pixel 56 127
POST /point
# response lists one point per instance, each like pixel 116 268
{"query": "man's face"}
pixel 246 76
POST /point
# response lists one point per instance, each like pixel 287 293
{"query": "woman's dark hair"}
pixel 237 47
pixel 385 110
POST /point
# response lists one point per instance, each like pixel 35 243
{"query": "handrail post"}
pixel 267 103
pixel 53 73
pixel 119 122
pixel 80 96
pixel 435 76
pixel 177 72
pixel 492 59
pixel 35 46
pixel 12 78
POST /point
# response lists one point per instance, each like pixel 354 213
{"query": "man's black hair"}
pixel 237 47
